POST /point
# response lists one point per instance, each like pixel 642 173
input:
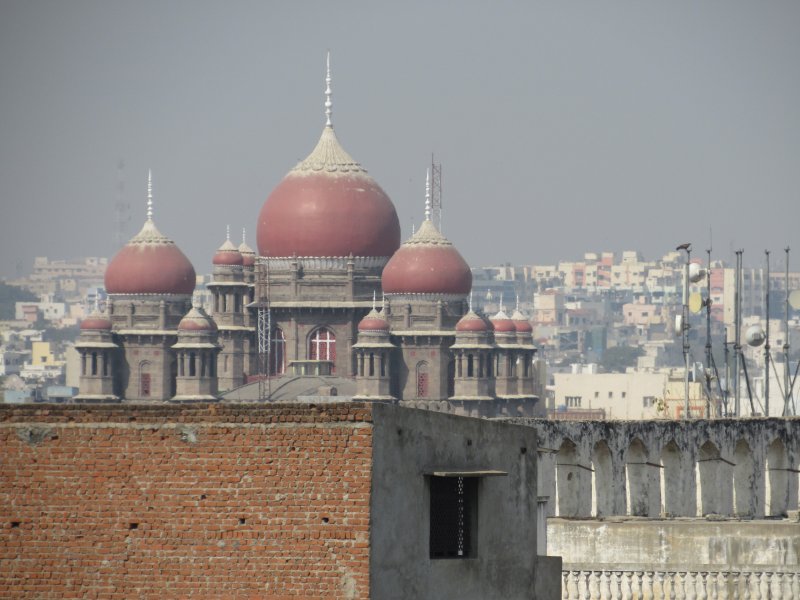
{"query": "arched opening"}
pixel 372 364
pixel 744 480
pixel 94 363
pixel 572 499
pixel 470 366
pixel 322 345
pixel 602 481
pixel 192 364
pixel 673 503
pixel 714 489
pixel 145 381
pixel 277 352
pixel 637 475
pixel 422 379
pixel 777 479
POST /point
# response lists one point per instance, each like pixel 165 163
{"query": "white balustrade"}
pixel 640 582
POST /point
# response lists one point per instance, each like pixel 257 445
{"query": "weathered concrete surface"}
pixel 672 544
pixel 409 443
pixel 742 467
pixel 548 580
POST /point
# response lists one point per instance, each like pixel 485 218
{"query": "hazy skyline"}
pixel 561 127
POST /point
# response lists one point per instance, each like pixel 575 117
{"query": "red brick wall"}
pixel 210 501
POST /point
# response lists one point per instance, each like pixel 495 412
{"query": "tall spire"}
pixel 149 195
pixel 428 195
pixel 328 92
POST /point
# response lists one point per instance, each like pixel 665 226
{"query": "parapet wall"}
pixel 213 501
pixel 743 468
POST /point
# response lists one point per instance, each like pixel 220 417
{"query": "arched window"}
pixel 322 345
pixel 422 379
pixel 192 364
pixel 371 364
pixel 144 379
pixel 470 367
pixel 94 363
pixel 277 352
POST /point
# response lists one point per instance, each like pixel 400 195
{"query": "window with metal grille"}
pixel 454 517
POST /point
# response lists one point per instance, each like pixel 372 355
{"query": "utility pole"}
pixel 766 345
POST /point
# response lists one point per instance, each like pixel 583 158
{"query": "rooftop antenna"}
pixel 766 336
pixel 428 195
pixel 328 92
pixel 149 195
pixel 787 385
pixel 436 191
pixel 687 247
pixel 121 208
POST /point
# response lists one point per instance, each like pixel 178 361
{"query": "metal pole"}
pixel 685 331
pixel 737 331
pixel 787 390
pixel 727 375
pixel 766 343
pixel 709 357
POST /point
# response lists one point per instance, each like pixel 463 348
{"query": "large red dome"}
pixel 428 263
pixel 150 263
pixel 328 206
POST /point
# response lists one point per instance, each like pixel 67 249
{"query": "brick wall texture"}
pixel 206 501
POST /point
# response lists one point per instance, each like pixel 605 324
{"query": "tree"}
pixel 618 358
pixel 9 296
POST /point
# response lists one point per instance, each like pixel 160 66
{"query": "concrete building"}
pixel 673 508
pixel 356 501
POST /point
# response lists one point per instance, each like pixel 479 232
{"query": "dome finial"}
pixel 244 235
pixel 428 195
pixel 227 233
pixel 517 305
pixel 328 92
pixel 149 194
pixel 373 299
pixel 470 301
pixel 501 302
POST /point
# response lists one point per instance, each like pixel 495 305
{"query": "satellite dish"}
pixel 678 324
pixel 794 299
pixel 695 302
pixel 696 272
pixel 754 336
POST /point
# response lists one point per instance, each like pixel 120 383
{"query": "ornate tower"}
pixel 99 357
pixel 196 353
pixel 149 284
pixel 230 293
pixel 324 234
pixel 426 284
pixel 374 358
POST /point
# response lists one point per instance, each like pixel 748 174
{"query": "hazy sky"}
pixel 561 127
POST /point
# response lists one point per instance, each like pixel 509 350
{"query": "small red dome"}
pixel 248 256
pixel 197 320
pixel 521 322
pixel 374 321
pixel 150 263
pixel 471 322
pixel 428 263
pixel 502 324
pixel 96 322
pixel 328 206
pixel 228 255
